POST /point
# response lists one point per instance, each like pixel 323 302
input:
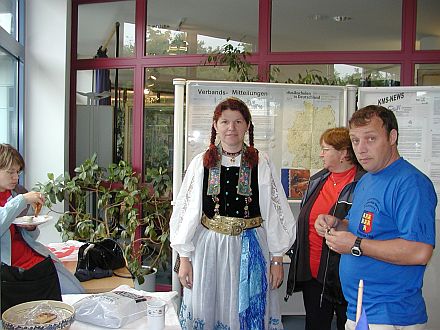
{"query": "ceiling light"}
pixel 341 18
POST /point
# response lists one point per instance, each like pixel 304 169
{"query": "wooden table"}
pixel 103 284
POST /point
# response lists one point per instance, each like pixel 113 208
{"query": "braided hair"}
pixel 250 154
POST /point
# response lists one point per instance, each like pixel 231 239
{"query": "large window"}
pixel 104 115
pixel 106 29
pixel 427 75
pixel 362 75
pixel 375 43
pixel 428 27
pixel 8 99
pixel 317 25
pixel 200 26
pixel 11 73
pixel 9 17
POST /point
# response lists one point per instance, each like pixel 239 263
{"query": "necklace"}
pixel 342 179
pixel 231 155
pixel 244 181
pixel 333 179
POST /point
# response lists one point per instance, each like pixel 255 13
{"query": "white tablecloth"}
pixel 171 319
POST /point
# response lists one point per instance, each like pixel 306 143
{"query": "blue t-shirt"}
pixel 396 202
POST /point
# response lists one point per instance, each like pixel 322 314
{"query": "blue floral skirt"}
pixel 213 302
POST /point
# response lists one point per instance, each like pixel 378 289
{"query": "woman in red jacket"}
pixel 314 269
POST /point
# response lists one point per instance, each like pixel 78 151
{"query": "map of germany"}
pixel 304 133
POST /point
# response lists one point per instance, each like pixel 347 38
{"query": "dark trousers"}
pixel 37 283
pixel 319 314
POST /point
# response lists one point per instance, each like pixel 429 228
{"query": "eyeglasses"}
pixel 12 173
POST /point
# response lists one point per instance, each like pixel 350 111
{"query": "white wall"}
pixel 47 72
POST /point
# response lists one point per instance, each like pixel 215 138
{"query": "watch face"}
pixel 356 251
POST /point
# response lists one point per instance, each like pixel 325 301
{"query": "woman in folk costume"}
pixel 231 226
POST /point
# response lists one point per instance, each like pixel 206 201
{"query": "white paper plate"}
pixel 31 220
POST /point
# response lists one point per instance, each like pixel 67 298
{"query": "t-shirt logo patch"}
pixel 366 223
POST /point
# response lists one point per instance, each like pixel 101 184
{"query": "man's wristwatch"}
pixel 356 249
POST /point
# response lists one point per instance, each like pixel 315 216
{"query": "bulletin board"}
pixel 288 119
pixel 417 110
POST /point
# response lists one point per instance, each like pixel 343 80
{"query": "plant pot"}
pixel 149 280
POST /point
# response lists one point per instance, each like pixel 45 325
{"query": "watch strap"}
pixel 356 249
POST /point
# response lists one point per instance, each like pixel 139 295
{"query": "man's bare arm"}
pixel 398 251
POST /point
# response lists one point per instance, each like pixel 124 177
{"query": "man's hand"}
pixel 324 222
pixel 339 241
pixel 186 272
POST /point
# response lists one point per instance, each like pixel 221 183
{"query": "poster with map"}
pixel 288 118
pixel 307 114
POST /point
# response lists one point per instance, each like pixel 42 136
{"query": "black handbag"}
pixel 99 259
pixel 22 285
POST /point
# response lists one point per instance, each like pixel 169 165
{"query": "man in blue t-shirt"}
pixel 388 236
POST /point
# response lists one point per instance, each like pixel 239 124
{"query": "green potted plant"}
pixel 235 58
pixel 113 203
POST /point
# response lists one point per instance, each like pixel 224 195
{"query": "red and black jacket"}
pixel 328 272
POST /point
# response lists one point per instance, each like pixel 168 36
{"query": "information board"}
pixel 417 110
pixel 289 119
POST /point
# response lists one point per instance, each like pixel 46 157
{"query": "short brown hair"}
pixel 362 117
pixel 339 138
pixel 9 156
